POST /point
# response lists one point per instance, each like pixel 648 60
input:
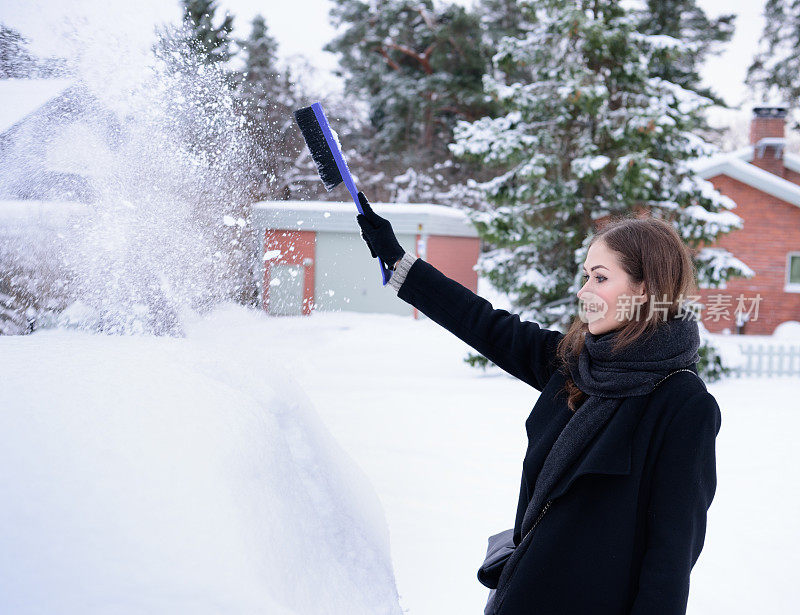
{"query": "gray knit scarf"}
pixel 607 378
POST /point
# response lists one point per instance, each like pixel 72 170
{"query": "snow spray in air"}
pixel 147 144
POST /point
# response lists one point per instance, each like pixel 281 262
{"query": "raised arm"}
pixel 684 483
pixel 521 348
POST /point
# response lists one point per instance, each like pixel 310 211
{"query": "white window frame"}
pixel 790 287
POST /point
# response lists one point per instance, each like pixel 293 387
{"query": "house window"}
pixel 793 273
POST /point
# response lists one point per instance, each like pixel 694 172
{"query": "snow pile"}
pixel 164 475
pixel 789 330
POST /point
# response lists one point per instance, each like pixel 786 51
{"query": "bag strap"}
pixel 685 369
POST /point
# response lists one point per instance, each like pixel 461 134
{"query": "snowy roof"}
pixel 772 141
pixel 334 216
pixel 736 165
pixel 791 162
pixel 21 97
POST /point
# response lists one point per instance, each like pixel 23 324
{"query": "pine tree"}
pixel 196 41
pixel 269 100
pixel 419 68
pixel 207 119
pixel 261 51
pixel 211 42
pixel 258 90
pixel 699 36
pixel 590 133
pixel 500 18
pixel 17 61
pixel 775 70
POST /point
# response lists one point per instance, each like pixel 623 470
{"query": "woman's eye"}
pixel 600 278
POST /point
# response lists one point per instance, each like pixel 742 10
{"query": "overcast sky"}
pixel 302 27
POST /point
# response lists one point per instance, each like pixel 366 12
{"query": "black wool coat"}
pixel 627 521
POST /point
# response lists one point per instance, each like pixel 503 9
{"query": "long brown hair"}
pixel 650 251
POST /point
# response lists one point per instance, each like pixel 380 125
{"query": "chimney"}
pixel 767 138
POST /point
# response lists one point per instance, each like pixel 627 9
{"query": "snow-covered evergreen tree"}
pixel 15 58
pixel 500 18
pixel 18 62
pixel 193 57
pixel 775 70
pixel 269 99
pixel 270 90
pixel 261 54
pixel 700 36
pixel 588 133
pixel 211 42
pixel 419 67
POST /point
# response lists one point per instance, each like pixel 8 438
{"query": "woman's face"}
pixel 607 293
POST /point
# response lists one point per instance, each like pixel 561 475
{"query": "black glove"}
pixel 378 234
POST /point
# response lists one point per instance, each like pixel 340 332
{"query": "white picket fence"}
pixel 768 360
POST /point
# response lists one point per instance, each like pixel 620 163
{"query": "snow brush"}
pixel 323 142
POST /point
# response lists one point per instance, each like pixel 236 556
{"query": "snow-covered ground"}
pixel 230 471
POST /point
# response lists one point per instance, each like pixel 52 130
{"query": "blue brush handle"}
pixel 345 173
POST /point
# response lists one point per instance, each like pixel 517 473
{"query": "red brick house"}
pixel 764 182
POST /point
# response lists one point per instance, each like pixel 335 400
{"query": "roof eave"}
pixel 734 165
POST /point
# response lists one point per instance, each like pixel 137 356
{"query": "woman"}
pixel 620 468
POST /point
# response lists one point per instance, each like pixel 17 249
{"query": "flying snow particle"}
pixel 270 254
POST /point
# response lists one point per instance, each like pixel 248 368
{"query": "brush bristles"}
pixel 320 150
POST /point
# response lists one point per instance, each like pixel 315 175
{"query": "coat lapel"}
pixel 609 452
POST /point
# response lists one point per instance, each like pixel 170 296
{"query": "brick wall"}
pixel 771 160
pixel 771 230
pixel 791 176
